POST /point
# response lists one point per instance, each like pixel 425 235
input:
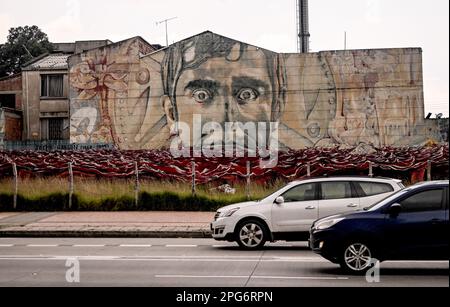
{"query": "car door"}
pixel 337 197
pixel 299 210
pixel 419 231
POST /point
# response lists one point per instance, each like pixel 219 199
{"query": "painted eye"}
pixel 201 96
pixel 246 95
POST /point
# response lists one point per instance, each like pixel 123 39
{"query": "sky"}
pixel 270 24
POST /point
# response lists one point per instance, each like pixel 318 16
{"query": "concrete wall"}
pixel 36 107
pixel 10 126
pixel 343 98
pixel 12 85
pixel 101 81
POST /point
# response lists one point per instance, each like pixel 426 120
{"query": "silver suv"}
pixel 289 213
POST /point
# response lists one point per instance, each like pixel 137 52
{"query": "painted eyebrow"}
pixel 240 82
pixel 206 84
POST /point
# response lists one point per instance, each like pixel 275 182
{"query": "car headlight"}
pixel 229 212
pixel 328 223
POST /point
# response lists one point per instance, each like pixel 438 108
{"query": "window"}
pixel 52 129
pixel 336 190
pixel 52 86
pixel 423 201
pixel 8 101
pixel 374 188
pixel 304 192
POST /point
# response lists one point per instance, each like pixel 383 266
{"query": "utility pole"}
pixel 167 34
pixel 345 40
pixel 302 26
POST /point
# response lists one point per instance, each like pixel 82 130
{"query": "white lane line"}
pixel 181 245
pixel 193 276
pixel 253 277
pixel 301 277
pixel 416 261
pixel 88 245
pixel 42 245
pixel 6 245
pixel 135 245
pixel 187 259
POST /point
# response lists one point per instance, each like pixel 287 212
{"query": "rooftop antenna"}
pixel 345 40
pixel 302 26
pixel 165 21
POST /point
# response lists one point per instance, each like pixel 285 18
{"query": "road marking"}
pixel 6 245
pixel 254 277
pixel 42 245
pixel 135 245
pixel 181 245
pixel 415 261
pixel 301 277
pixel 193 276
pixel 159 258
pixel 88 245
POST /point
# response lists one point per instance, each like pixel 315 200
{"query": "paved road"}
pixel 189 262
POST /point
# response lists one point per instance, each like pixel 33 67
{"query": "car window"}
pixel 423 201
pixel 303 192
pixel 336 190
pixel 374 188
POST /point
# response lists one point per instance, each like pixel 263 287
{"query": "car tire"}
pixel 251 234
pixel 357 257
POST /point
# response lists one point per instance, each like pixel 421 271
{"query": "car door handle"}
pixel 352 206
pixel 310 208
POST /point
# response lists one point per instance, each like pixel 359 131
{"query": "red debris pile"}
pixel 161 165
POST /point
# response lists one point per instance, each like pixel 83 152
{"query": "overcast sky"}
pixel 265 23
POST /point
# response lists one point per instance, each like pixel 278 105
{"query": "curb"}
pixel 105 234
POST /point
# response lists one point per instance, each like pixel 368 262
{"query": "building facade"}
pixel 10 109
pixel 134 98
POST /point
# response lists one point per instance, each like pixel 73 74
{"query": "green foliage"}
pixel 23 44
pixel 161 201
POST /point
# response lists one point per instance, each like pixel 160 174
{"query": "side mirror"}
pixel 279 200
pixel 395 209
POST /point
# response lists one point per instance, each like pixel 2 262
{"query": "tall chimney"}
pixel 302 26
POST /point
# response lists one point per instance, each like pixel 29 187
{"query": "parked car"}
pixel 410 225
pixel 289 213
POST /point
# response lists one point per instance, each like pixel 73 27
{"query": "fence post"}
pixel 193 178
pixel 70 185
pixel 308 169
pixel 16 185
pixel 136 184
pixel 247 187
pixel 429 170
pixel 370 169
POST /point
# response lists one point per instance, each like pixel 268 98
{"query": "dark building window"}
pixel 8 101
pixel 52 85
pixel 55 128
pixel 52 129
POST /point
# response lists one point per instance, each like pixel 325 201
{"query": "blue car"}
pixel 411 224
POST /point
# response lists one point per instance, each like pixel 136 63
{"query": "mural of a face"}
pixel 137 99
pixel 223 81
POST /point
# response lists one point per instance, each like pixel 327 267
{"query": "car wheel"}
pixel 251 234
pixel 357 258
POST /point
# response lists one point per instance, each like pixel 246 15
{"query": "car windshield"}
pixel 385 200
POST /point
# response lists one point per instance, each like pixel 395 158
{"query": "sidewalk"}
pixel 107 224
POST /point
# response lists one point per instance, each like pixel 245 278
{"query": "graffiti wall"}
pixel 135 97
